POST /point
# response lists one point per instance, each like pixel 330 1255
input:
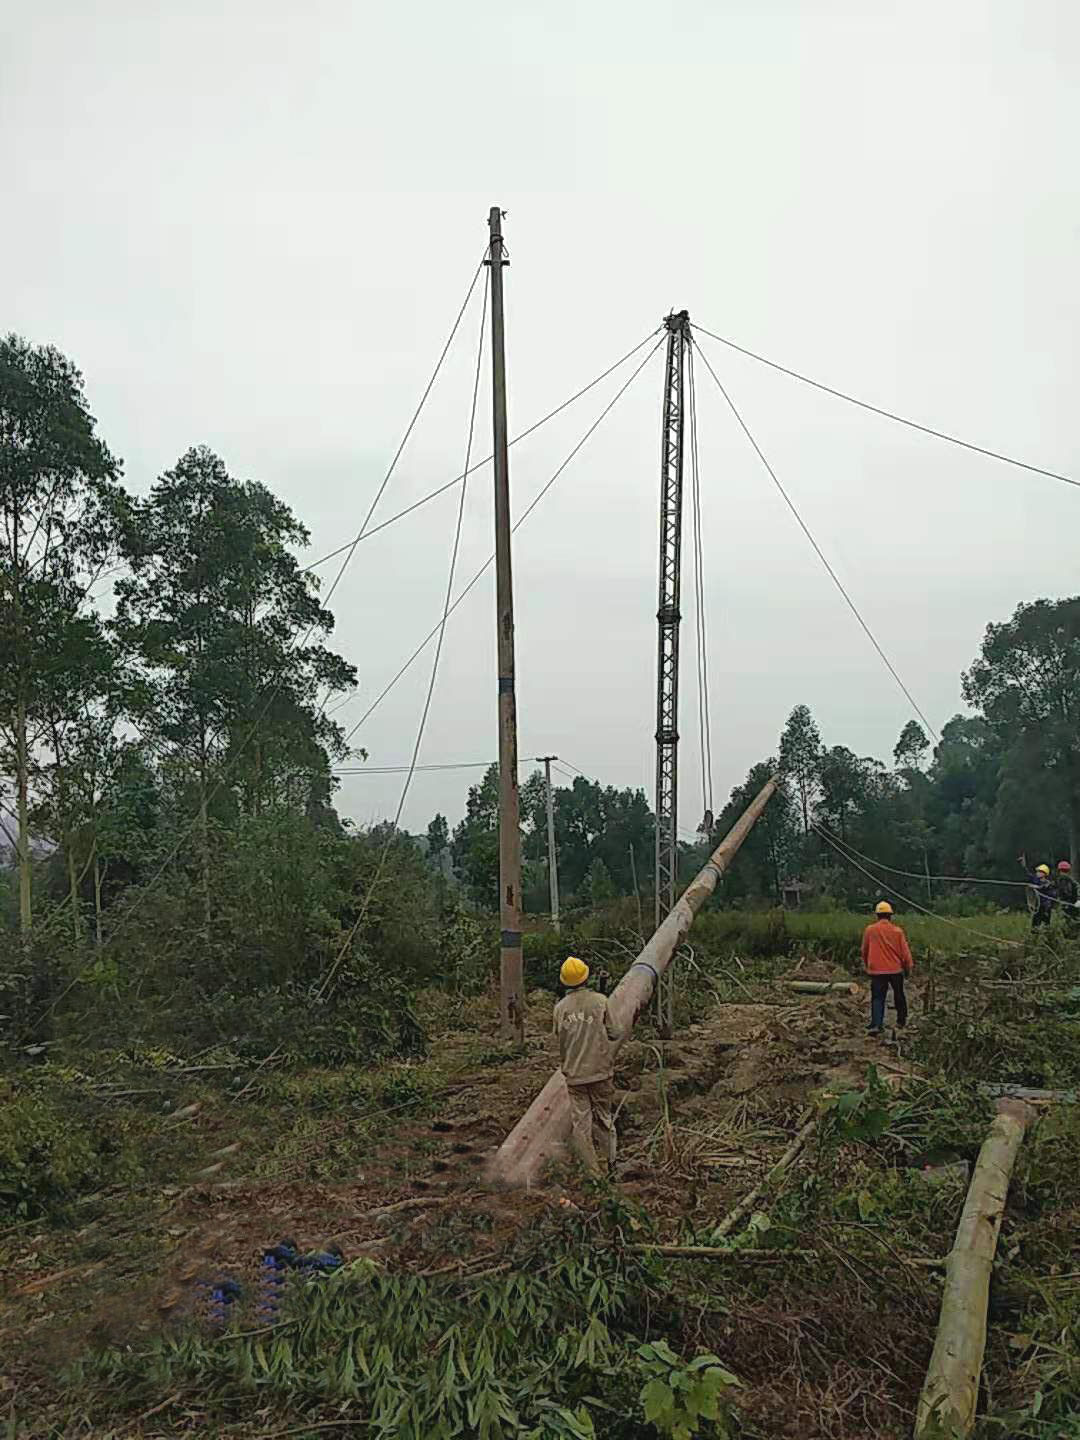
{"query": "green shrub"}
pixel 51 1153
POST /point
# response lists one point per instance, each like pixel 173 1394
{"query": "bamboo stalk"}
pixel 950 1393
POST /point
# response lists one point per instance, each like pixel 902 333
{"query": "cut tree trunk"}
pixel 22 785
pixel 204 834
pixel 950 1393
pixel 97 897
pixel 73 888
pixel 1074 826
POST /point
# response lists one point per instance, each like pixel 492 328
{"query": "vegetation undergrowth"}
pixel 579 1339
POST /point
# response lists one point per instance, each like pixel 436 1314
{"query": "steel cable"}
pixel 519 522
pixel 889 414
pixel 817 548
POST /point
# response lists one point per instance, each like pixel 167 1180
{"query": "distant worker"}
pixel 887 957
pixel 1042 889
pixel 1067 894
pixel 587 1055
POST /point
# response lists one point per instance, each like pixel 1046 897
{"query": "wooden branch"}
pixel 822 987
pixel 416 1202
pixel 1022 1092
pixel 732 1219
pixel 716 1252
pixel 950 1393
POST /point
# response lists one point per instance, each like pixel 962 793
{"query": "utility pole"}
pixel 668 616
pixel 553 861
pixel 511 1006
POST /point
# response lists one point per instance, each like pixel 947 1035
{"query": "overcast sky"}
pixel 251 226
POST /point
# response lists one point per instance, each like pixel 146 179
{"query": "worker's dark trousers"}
pixel 1041 917
pixel 879 990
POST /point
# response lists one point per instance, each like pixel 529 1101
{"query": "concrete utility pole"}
pixel 511 1003
pixel 542 1131
pixel 553 860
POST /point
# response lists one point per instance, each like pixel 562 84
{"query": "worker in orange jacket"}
pixel 887 959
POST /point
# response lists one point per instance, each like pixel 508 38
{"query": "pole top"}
pixel 497 249
pixel 677 320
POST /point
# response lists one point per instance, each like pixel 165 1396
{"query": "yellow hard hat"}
pixel 574 971
pixel 1042 869
pixel 883 908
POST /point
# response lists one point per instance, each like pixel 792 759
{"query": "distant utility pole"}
pixel 553 859
pixel 511 1006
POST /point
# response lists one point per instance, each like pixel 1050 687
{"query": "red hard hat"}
pixel 1064 865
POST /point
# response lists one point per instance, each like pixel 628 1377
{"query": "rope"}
pixel 408 431
pixel 889 414
pixel 491 558
pixel 455 548
pixel 479 464
pixel 982 934
pixel 818 550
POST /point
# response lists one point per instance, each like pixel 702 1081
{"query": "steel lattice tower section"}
pixel 667 656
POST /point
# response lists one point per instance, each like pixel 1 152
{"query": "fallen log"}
pixel 822 987
pixel 950 1393
pixel 732 1219
pixel 542 1131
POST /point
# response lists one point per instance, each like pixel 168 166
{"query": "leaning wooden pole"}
pixel 951 1391
pixel 544 1128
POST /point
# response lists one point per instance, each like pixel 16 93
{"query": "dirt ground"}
pixel 699 1118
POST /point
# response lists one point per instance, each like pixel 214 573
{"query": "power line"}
pixel 982 934
pixel 817 549
pixel 328 979
pixel 519 522
pixel 479 464
pixel 889 414
pixel 564 761
pixel 450 765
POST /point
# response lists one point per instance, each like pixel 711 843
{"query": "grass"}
pixel 836 934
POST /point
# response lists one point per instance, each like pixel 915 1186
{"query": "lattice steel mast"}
pixel 667 658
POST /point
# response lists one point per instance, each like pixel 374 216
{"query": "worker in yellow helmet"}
pixel 1042 894
pixel 887 958
pixel 587 1055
